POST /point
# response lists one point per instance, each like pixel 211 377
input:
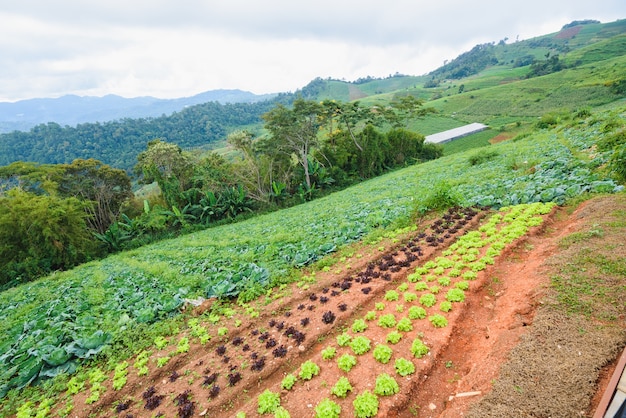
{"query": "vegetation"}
pixel 54 217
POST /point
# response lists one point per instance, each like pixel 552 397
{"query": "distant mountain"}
pixel 72 110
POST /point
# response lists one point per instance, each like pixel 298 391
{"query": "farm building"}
pixel 455 133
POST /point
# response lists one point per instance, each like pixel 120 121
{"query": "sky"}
pixel 179 48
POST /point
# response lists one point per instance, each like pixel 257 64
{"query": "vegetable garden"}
pixel 405 317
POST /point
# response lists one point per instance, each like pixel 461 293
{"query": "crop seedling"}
pixel 360 345
pixel 403 287
pixel 444 281
pixel 379 306
pixel 308 369
pixel 404 367
pixel 455 295
pixel 438 321
pixel 162 361
pixel 281 413
pixel 329 353
pixel 399 308
pixel 346 362
pixel 342 387
pixel 387 321
pixel 409 296
pixel 75 385
pixel 370 316
pixel 418 348
pixel 160 342
pixel 382 353
pixel 119 377
pixel 434 289
pixel 221 331
pixel 445 306
pixel 183 345
pixel 365 405
pixel 288 381
pixel 359 325
pixel 419 286
pixel 343 339
pixel 268 402
pixel 394 337
pixel 391 295
pixel 404 325
pixel 327 409
pixel 386 385
pixel 417 312
pixel 428 299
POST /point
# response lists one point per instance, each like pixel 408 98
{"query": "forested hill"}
pixel 117 143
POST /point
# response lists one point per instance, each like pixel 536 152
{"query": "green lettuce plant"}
pixel 346 362
pixel 308 369
pixel 342 387
pixel 288 381
pixel 268 402
pixel 386 385
pixel 382 353
pixel 394 337
pixel 360 345
pixel 329 353
pixel 365 405
pixel 438 321
pixel 327 409
pixel 404 367
pixel 418 348
pixel 387 321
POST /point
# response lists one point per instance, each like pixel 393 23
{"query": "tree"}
pixel 40 234
pixel 91 180
pixel 169 166
pixel 295 131
pixel 254 169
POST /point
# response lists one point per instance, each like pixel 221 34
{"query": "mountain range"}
pixel 72 110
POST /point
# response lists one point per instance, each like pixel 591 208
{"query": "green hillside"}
pixel 565 134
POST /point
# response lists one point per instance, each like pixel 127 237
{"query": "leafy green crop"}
pixel 438 321
pixel 394 337
pixel 387 321
pixel 327 409
pixel 346 362
pixel 342 387
pixel 382 353
pixel 268 402
pixel 386 385
pixel 288 381
pixel 329 353
pixel 417 312
pixel 343 339
pixel 428 299
pixel 359 325
pixel 391 295
pixel 365 405
pixel 308 369
pixel 418 348
pixel 404 367
pixel 360 345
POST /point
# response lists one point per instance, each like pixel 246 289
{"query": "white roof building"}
pixel 455 133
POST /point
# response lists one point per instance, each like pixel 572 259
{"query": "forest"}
pixel 50 213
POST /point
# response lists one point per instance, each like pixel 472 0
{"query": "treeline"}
pixel 51 213
pixel 117 143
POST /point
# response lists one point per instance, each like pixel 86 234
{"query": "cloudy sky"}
pixel 177 48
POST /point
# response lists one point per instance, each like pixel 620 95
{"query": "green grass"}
pixel 477 140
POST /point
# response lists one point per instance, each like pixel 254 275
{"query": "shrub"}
pixel 360 345
pixel 342 387
pixel 382 353
pixel 327 409
pixel 308 370
pixel 268 402
pixel 365 405
pixel 404 367
pixel 418 348
pixel 288 381
pixel 346 362
pixel 387 321
pixel 386 385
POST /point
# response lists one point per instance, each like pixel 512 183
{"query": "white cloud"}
pixel 168 48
